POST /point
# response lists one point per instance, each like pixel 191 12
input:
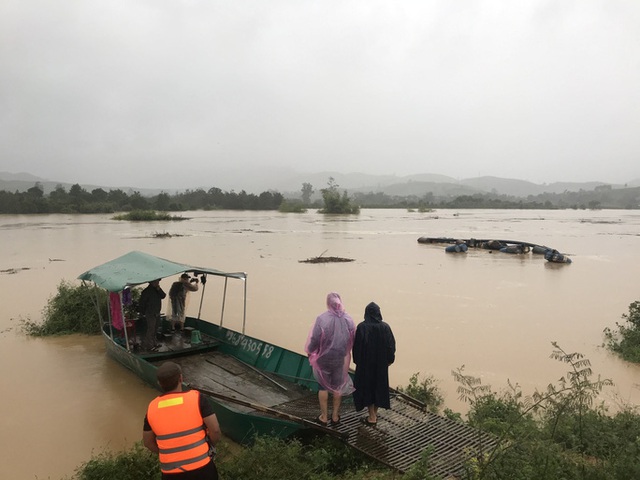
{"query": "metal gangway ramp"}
pixel 402 433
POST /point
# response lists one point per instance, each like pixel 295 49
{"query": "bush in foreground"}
pixel 266 459
pixel 138 463
pixel 425 390
pixel 557 433
pixel 626 340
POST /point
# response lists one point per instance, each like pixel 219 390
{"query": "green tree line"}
pixel 79 200
pixel 602 197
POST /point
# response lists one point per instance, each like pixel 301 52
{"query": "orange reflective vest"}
pixel 180 433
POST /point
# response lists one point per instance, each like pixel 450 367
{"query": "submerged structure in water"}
pixel 514 247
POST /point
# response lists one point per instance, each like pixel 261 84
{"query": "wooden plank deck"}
pixel 229 376
pixel 403 432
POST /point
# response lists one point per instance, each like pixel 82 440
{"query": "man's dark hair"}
pixel 168 376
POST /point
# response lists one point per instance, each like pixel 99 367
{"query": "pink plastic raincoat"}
pixel 329 347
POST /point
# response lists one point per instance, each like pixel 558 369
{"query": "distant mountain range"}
pixel 290 186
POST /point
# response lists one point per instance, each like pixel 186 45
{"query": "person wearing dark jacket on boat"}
pixel 374 349
pixel 182 428
pixel 149 306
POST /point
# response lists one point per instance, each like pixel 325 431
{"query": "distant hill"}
pixel 290 185
pixel 522 188
pixel 439 185
pixel 634 183
pixel 21 182
pixel 419 189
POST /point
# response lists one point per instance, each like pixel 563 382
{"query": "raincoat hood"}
pixel 372 313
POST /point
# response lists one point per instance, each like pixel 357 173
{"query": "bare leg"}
pixel 335 415
pixel 373 413
pixel 323 398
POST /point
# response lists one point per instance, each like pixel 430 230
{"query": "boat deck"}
pixel 230 377
pixel 403 432
pixel 175 342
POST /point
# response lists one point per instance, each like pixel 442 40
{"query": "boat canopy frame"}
pixel 135 268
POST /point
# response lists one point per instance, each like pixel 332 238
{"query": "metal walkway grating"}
pixel 403 432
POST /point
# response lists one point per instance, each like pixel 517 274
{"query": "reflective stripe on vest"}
pixel 176 421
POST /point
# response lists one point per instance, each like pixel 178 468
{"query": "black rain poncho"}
pixel 374 350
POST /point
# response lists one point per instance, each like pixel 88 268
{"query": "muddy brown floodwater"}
pixel 494 313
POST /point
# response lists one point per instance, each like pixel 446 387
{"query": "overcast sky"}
pixel 177 93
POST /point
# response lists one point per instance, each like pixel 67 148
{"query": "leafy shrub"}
pixel 292 206
pixel 71 310
pixel 336 203
pixel 420 469
pixel 502 415
pixel 626 340
pixel 147 216
pixel 275 459
pixel 138 463
pixel 425 390
pixel 557 433
pixel 266 459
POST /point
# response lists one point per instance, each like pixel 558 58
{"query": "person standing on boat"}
pixel 182 428
pixel 178 299
pixel 329 349
pixel 150 305
pixel 374 349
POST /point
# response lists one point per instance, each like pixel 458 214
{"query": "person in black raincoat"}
pixel 374 349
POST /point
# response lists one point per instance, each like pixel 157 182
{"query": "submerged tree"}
pixel 334 202
pixel 307 191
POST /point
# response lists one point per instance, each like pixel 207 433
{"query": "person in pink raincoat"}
pixel 329 349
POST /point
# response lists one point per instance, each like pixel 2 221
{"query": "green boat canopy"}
pixel 135 268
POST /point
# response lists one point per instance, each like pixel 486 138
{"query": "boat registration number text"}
pixel 250 345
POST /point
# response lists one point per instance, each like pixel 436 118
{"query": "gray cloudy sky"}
pixel 178 93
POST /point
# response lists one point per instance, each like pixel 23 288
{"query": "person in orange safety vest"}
pixel 181 427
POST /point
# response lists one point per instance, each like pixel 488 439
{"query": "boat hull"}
pixel 236 423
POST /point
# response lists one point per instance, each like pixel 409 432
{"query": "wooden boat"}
pixel 259 388
pixel 245 376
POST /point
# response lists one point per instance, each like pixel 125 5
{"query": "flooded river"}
pixel 494 313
